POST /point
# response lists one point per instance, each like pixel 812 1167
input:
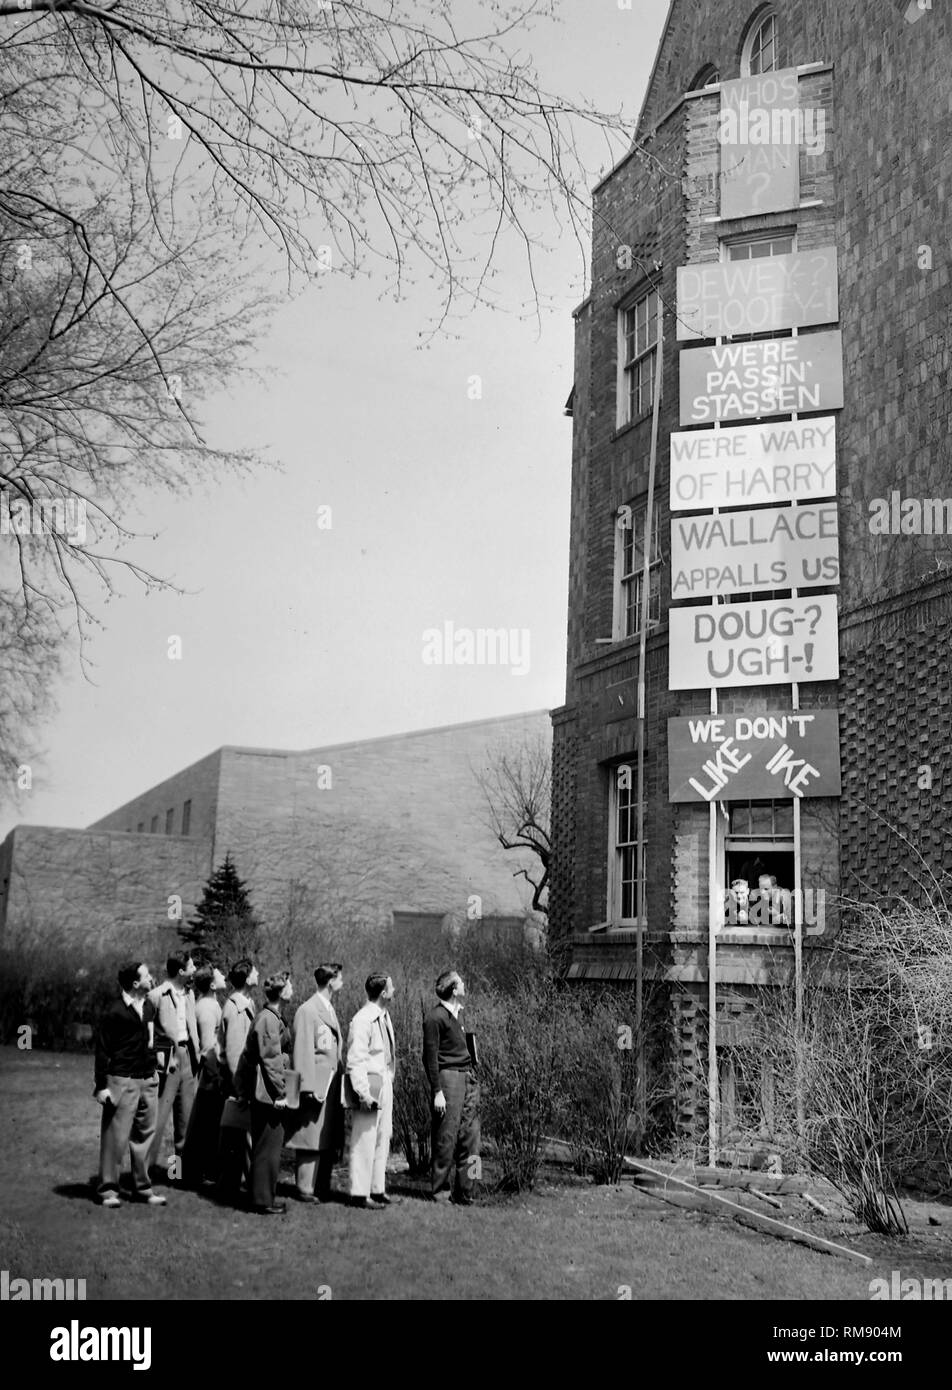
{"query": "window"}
pixel 746 1095
pixel 154 826
pixel 753 248
pixel 761 49
pixel 169 818
pixel 626 887
pixel 186 817
pixel 637 344
pixel 760 864
pixel 630 571
pixel 707 77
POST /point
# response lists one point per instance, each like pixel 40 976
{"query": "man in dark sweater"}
pixel 127 1088
pixel 455 1094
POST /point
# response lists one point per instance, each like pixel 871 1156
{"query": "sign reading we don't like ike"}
pixel 754 757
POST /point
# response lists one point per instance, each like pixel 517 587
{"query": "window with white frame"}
pixel 637 345
pixel 630 527
pixel 626 878
pixel 761 47
pixel 755 248
pixel 760 864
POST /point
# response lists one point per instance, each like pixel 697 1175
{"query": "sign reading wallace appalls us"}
pixel 740 552
pixel 779 376
pixel 758 296
pixel 754 756
pixel 771 642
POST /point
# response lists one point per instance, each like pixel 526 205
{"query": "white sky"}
pixel 445 509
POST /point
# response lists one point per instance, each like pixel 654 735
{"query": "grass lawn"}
pixel 566 1241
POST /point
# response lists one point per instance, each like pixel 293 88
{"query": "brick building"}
pixel 825 253
pixel 395 828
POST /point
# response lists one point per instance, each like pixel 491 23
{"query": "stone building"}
pixel 779 236
pixel 392 829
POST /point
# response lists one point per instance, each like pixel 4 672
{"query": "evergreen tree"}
pixel 224 927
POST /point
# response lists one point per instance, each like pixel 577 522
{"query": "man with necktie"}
pixel 368 1094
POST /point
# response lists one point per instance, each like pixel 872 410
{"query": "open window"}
pixel 760 865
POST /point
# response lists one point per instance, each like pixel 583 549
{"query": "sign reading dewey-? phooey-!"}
pixel 724 298
pixel 779 376
pixel 753 464
pixel 776 642
pixel 754 757
pixel 741 552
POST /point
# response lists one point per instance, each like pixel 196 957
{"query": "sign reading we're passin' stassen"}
pixel 754 757
pixel 762 295
pixel 778 376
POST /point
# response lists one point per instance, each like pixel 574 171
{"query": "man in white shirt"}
pixel 171 1012
pixel 368 1094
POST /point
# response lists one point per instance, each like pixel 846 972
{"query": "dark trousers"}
pixel 176 1095
pixel 200 1154
pixel 455 1136
pixel 128 1122
pixel 267 1140
pixel 234 1161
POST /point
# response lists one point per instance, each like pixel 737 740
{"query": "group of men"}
pixel 240 1086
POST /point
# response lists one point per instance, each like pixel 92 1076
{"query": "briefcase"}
pixel 374 1083
pixel 236 1114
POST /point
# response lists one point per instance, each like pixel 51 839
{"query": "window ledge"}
pixel 619 430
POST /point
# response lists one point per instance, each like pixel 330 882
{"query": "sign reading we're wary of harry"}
pixel 779 376
pixel 775 642
pixel 754 757
pixel 753 464
pixel 772 548
pixel 758 296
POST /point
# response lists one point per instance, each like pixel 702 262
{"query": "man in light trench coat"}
pixel 316 1132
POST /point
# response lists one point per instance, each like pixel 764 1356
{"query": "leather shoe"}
pixel 276 1210
pixel 381 1199
pixel 307 1197
pixel 365 1204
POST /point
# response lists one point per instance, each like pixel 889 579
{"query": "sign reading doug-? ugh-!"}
pixel 777 642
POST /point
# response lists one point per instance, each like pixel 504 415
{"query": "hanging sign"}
pixel 752 464
pixel 778 376
pixel 758 296
pixel 754 757
pixel 773 642
pixel 773 548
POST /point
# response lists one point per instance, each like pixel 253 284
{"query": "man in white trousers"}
pixel 368 1094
